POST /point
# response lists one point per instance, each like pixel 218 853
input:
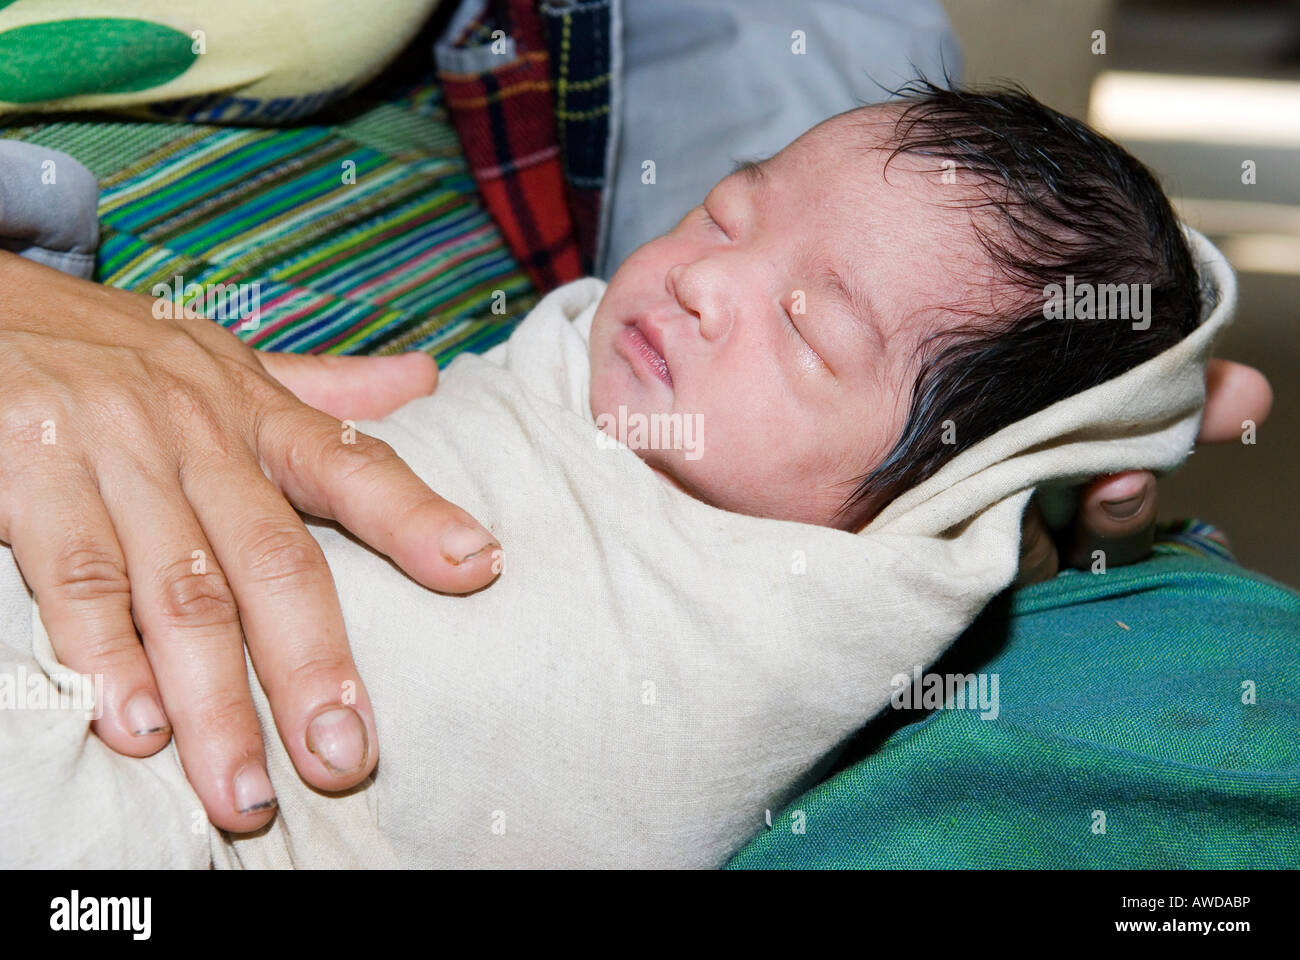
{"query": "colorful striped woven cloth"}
pixel 364 231
pixel 1194 537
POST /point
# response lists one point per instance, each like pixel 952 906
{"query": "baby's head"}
pixel 845 317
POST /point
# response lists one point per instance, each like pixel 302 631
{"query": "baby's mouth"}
pixel 645 344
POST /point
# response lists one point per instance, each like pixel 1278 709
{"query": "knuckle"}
pixel 86 571
pixel 196 599
pixel 278 554
pixel 178 343
pixel 252 381
pixel 183 401
pixel 222 715
pixel 20 421
pixel 320 670
pixel 349 461
pixel 109 653
pixel 122 414
pixel 197 422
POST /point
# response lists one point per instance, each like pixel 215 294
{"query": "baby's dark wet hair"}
pixel 1052 198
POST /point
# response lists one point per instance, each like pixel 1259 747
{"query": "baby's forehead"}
pixel 889 234
pixel 908 234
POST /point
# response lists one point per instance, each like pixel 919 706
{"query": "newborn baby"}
pixel 822 313
pixel 865 332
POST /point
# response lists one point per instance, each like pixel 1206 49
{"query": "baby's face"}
pixel 734 320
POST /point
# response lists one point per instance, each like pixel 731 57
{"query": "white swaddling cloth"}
pixel 648 675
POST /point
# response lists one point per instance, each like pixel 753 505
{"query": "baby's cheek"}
pixel 610 383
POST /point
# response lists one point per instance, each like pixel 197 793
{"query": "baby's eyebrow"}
pixel 752 169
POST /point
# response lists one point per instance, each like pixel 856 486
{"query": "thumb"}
pixel 357 388
pixel 1234 393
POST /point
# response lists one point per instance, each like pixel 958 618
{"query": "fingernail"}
pixel 1125 508
pixel 338 737
pixel 143 715
pixel 463 542
pixel 253 790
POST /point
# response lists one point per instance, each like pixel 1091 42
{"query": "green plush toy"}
pixel 240 61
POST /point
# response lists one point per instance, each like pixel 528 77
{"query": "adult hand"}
pixel 1117 513
pixel 144 469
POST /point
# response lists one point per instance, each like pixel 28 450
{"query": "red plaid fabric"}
pixel 505 117
pixel 581 36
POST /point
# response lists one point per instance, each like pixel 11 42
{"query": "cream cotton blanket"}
pixel 648 675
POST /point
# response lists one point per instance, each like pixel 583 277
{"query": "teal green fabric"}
pixel 1121 692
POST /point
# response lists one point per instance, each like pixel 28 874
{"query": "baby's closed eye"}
pixel 708 218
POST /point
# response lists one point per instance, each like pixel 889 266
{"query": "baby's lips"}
pixel 653 338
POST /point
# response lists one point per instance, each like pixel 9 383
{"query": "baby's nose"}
pixel 670 280
pixel 698 293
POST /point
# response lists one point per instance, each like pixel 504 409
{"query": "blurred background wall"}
pixel 1195 89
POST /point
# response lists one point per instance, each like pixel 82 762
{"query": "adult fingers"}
pixel 1116 521
pixel 1234 393
pixel 69 554
pixel 356 388
pixel 330 470
pixel 187 617
pixel 1038 556
pixel 292 623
